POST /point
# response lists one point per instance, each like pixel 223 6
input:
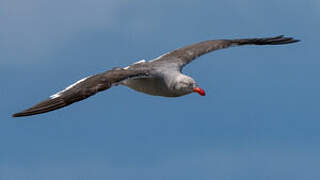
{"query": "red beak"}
pixel 199 91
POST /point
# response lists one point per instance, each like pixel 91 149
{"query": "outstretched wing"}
pixel 83 89
pixel 181 57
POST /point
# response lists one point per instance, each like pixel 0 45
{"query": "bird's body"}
pixel 160 83
pixel 152 86
pixel 159 77
pixel 155 86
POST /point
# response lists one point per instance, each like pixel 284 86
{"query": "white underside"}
pixel 151 86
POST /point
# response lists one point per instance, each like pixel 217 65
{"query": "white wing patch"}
pixel 58 94
pixel 159 57
pixel 138 62
pixel 141 61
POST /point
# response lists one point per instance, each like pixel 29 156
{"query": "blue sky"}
pixel 259 120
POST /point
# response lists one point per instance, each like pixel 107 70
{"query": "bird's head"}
pixel 186 85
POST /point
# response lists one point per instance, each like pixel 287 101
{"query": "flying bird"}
pixel 161 76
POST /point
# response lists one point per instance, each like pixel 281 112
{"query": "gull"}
pixel 161 76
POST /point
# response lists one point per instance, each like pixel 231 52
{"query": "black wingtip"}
pixel 278 40
pixel 15 115
pixel 295 40
pixel 42 107
pixel 278 37
pixel 21 114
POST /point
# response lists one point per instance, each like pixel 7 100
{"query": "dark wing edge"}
pixel 82 90
pixel 185 55
pixel 278 40
pixel 42 107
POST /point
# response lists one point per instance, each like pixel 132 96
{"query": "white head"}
pixel 186 85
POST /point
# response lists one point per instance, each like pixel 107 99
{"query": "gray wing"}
pixel 185 55
pixel 83 89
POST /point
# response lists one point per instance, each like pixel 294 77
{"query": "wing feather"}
pixel 182 56
pixel 83 89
